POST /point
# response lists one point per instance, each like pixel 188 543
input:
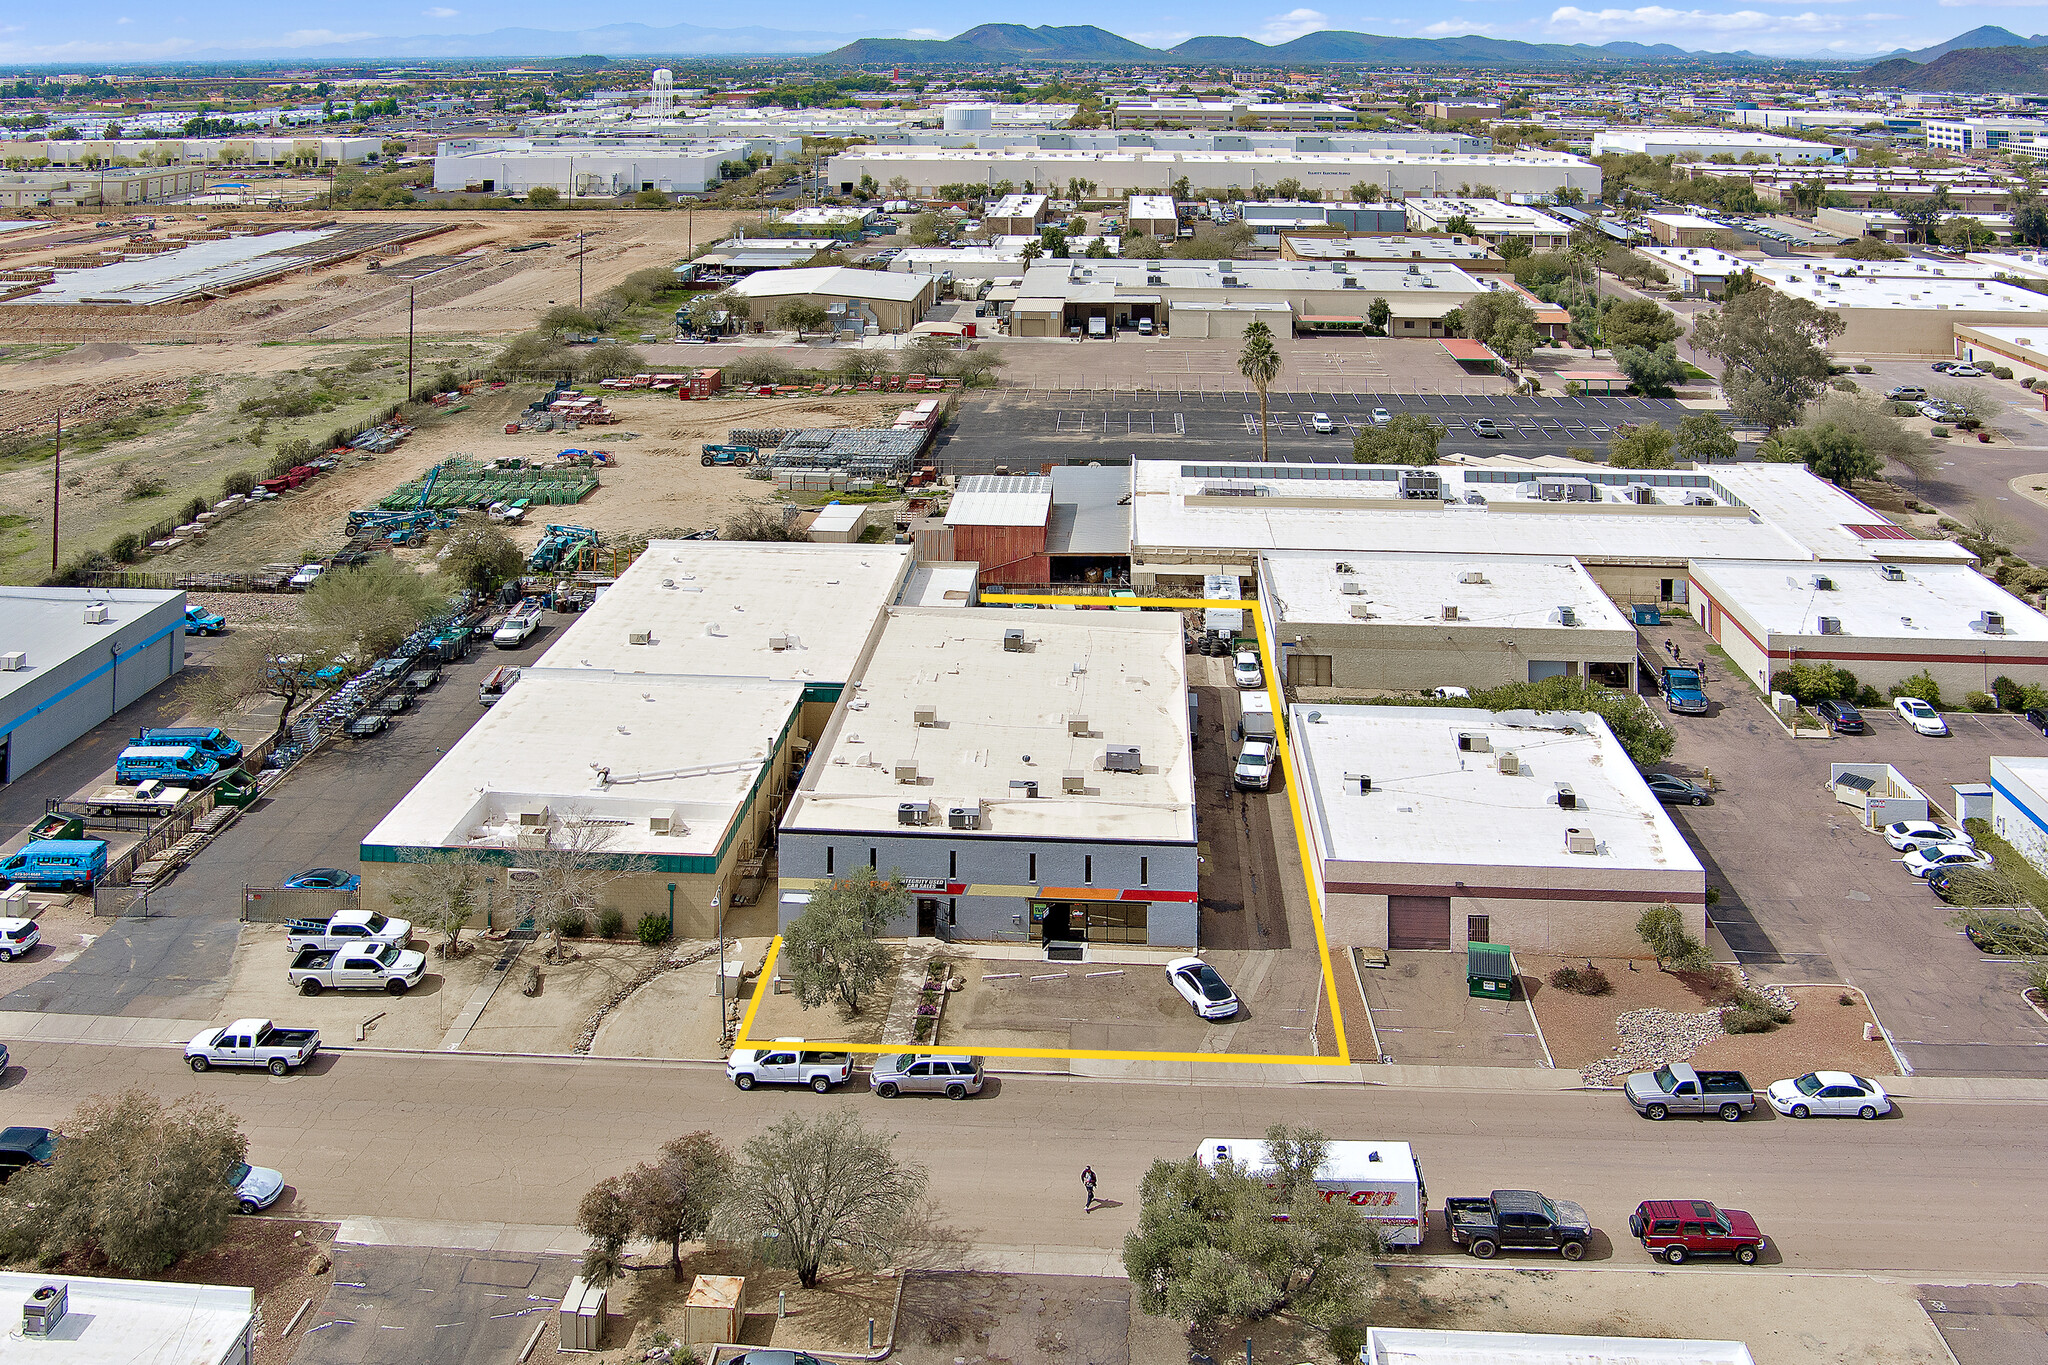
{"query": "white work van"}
pixel 1381 1179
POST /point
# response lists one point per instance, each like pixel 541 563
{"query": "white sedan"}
pixel 1321 422
pixel 1907 835
pixel 1828 1094
pixel 1245 670
pixel 1965 372
pixel 1199 985
pixel 1923 861
pixel 1920 716
pixel 1380 417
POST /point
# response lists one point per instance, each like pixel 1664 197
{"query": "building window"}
pixel 871 860
pixel 1144 871
pixel 952 913
pixel 1088 870
pixel 952 864
pixel 828 860
pixel 1032 875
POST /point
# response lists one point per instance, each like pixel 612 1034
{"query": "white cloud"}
pixel 1285 28
pixel 124 19
pixel 440 12
pixel 1162 37
pixel 927 34
pixel 1571 21
pixel 1452 28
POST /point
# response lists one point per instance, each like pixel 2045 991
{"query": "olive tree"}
pixel 669 1199
pixel 817 1192
pixel 1663 931
pixel 252 666
pixel 829 952
pixel 1772 349
pixel 372 607
pixel 138 1181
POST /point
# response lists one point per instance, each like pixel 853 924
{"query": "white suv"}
pixel 17 936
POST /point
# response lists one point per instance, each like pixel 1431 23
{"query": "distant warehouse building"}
pixel 1693 143
pixel 662 733
pixel 600 167
pixel 1489 219
pixel 1434 827
pixel 1389 622
pixel 1883 622
pixel 73 657
pixel 1029 775
pixel 890 301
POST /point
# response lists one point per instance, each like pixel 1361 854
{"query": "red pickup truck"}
pixel 1677 1229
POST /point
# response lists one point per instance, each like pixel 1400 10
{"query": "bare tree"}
pixel 821 1191
pixel 564 880
pixel 604 1217
pixel 252 665
pixel 1986 521
pixel 439 891
pixel 760 521
pixel 1962 400
pixel 670 1198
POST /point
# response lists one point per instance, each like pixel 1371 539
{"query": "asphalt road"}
pixel 173 961
pixel 1023 429
pixel 1933 1191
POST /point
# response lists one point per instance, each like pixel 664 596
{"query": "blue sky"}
pixel 104 31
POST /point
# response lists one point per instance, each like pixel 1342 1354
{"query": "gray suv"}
pixel 908 1074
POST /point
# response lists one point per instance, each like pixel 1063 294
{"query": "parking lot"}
pixel 1808 895
pixel 174 960
pixel 425 1306
pixel 1023 429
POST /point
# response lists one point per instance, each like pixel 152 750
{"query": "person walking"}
pixel 1088 1184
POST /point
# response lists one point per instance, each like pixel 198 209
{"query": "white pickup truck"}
pixel 253 1042
pixel 349 929
pixel 367 967
pixel 785 1065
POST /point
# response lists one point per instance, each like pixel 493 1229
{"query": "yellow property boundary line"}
pixel 1295 809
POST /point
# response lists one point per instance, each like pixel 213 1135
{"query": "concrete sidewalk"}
pixel 101 1030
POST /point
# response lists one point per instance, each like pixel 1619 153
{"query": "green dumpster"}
pixel 1489 971
pixel 235 788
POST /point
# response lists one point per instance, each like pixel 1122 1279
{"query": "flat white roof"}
pixel 1151 206
pixel 1907 293
pixel 1517 592
pixel 1682 220
pixel 49 625
pixel 119 1322
pixel 1016 206
pixel 1000 500
pixel 1826 521
pixel 941 583
pixel 711 608
pixel 2032 264
pixel 1695 260
pixel 1005 716
pixel 838 516
pixel 1937 602
pixel 836 281
pixel 1432 802
pixel 1426 1346
pixel 1484 212
pixel 622 747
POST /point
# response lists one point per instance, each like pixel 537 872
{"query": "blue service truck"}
pixel 56 864
pixel 1683 692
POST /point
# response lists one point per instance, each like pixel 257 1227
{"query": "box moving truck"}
pixel 1381 1179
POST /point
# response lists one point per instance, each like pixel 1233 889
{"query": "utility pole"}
pixel 56 490
pixel 579 268
pixel 411 298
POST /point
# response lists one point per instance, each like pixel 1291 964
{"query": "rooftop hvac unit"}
pixel 1077 726
pixel 1472 576
pixel 1508 763
pixel 1450 613
pixel 663 822
pixel 1074 782
pixel 1421 483
pixel 1350 283
pixel 1580 841
pixel 646 637
pixel 535 818
pixel 1361 611
pixel 963 817
pixel 1024 786
pixel 1475 744
pixel 1013 641
pixel 906 770
pixel 1831 625
pixel 1822 583
pixel 13 663
pixel 531 838
pixel 1567 616
pixel 1230 282
pixel 1344 566
pixel 44 1309
pixel 1892 572
pixel 1350 587
pixel 1993 622
pixel 913 812
pixel 1122 758
pixel 926 716
pixel 96 613
pixel 774 642
pixel 1699 500
pixel 1567 799
pixel 1359 783
pixel 1641 494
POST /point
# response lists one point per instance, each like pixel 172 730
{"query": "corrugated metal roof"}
pixel 1001 500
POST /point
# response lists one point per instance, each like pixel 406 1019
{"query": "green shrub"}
pixel 2011 696
pixel 1980 701
pixel 1921 685
pixel 573 926
pixel 1843 385
pixel 1749 1001
pixel 1582 981
pixel 1942 432
pixel 127 548
pixel 2029 382
pixel 2002 371
pixel 1743 1021
pixel 142 487
pixel 194 508
pixel 611 923
pixel 1864 369
pixel 237 484
pixel 1867 695
pixel 653 929
pixel 1582 454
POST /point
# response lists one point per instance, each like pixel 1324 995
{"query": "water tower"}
pixel 664 94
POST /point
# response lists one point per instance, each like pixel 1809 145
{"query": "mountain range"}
pixel 1085 43
pixel 1991 35
pixel 2020 69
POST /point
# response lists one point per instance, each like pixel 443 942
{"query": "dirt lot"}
pixel 673 1014
pixel 1823 1033
pixel 833 1317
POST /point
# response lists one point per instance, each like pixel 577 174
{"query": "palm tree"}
pixel 1259 363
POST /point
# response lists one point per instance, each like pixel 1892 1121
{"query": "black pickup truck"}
pixel 1518 1220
